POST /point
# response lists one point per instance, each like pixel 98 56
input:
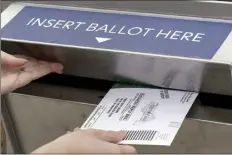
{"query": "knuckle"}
pixel 102 134
pixel 91 132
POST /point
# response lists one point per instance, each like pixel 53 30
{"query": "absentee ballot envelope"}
pixel 149 116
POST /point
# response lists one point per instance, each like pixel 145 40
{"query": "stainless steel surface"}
pixel 213 9
pixel 12 143
pixel 162 71
pixel 40 117
pixel 116 66
pixel 40 112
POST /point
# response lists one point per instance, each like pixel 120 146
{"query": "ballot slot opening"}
pixel 93 84
pixel 107 65
pixel 91 91
pixel 204 99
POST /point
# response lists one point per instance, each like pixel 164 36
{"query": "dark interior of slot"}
pixel 207 99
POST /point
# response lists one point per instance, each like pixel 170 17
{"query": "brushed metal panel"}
pixel 161 71
pixel 39 120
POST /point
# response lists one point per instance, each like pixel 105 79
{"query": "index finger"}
pixel 42 68
pixel 10 60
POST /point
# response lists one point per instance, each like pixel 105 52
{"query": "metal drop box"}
pixel 51 106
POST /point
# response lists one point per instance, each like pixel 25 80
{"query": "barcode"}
pixel 147 135
pixel 126 117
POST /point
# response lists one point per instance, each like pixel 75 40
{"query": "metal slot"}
pixel 55 104
pixel 52 109
pixel 205 99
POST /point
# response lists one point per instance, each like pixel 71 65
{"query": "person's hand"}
pixel 19 71
pixel 88 141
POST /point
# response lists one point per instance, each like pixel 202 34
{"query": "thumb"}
pixel 9 60
pixel 110 136
pixel 127 149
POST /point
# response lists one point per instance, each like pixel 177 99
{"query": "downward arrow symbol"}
pixel 100 39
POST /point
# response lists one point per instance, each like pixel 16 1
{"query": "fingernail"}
pixel 58 68
pixel 59 72
pixel 122 133
pixel 23 60
pixel 76 129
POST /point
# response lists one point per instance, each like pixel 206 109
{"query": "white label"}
pixel 150 116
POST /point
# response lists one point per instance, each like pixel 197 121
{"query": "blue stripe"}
pixel 185 38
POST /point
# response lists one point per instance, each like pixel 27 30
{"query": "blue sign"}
pixel 144 34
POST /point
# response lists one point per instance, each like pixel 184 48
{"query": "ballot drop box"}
pixel 170 45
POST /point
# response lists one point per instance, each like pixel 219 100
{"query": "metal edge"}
pixel 123 12
pixel 10 12
pixel 191 115
pixel 22 5
pixel 219 2
pixel 224 53
pixel 51 98
pixel 119 51
pixel 9 125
